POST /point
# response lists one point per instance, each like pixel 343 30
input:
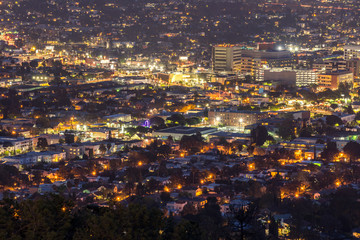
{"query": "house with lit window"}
pixel 176 207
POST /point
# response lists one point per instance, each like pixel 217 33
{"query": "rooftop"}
pixel 187 130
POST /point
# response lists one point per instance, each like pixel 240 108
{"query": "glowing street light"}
pixel 240 122
pixel 251 166
pixel 337 183
pixel 217 119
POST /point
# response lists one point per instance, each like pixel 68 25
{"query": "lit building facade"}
pixel 235 118
pixel 351 52
pixel 292 77
pixel 332 80
pixel 226 57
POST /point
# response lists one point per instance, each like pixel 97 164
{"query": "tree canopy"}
pixel 259 135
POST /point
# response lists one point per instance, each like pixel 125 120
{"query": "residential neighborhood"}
pixel 179 119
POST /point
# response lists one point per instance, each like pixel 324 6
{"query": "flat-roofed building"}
pixel 226 57
pixel 291 77
pixel 9 145
pixel 123 117
pixel 354 66
pixel 247 61
pixel 31 158
pixel 222 78
pixel 235 118
pixel 332 80
pixel 180 131
pixel 351 52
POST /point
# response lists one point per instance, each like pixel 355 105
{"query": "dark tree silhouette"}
pixel 259 135
pixel 353 150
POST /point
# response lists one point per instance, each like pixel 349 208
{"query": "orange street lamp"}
pixel 338 183
pixel 251 166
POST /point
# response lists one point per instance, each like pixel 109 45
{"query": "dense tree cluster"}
pixel 53 217
pixel 192 143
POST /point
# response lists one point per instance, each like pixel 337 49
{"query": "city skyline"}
pixel 184 120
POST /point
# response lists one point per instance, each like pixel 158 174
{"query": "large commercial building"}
pixel 255 61
pixel 354 66
pixel 226 57
pixel 331 65
pixel 179 131
pixel 10 145
pixel 351 52
pixel 333 79
pixel 291 77
pixel 120 117
pixel 235 118
pixel 34 157
pixel 237 58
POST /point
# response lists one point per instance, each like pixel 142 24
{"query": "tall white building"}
pixel 226 57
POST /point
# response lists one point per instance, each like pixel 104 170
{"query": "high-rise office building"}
pixel 237 58
pixel 226 57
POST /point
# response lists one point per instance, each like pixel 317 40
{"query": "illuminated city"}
pixel 185 120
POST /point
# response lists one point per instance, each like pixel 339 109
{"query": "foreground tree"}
pixel 259 135
pixel 353 150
